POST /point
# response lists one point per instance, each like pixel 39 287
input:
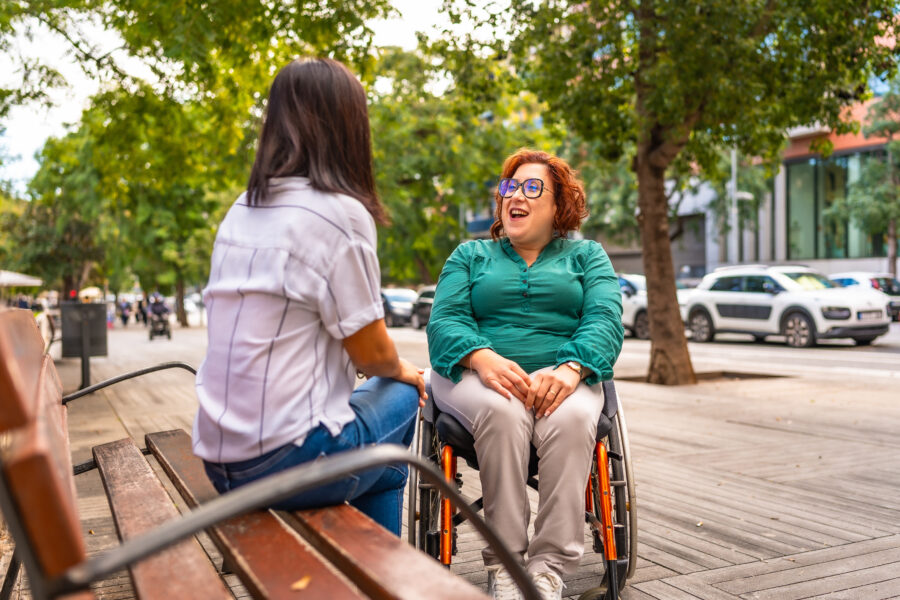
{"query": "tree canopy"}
pixel 669 83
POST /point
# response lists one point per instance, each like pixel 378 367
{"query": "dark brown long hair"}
pixel 571 207
pixel 316 125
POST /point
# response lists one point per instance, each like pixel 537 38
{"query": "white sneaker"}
pixel 549 585
pixel 501 585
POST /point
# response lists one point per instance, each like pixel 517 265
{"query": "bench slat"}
pixel 38 468
pixel 21 348
pixel 139 503
pixel 382 565
pixel 269 556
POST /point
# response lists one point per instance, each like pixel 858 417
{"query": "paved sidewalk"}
pixel 774 488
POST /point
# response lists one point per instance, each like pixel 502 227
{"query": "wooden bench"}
pixel 334 552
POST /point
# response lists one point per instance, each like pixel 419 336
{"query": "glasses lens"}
pixel 507 187
pixel 532 188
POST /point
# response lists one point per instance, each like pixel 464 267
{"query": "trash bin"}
pixel 83 334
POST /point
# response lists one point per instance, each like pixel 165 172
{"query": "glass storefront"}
pixel 813 186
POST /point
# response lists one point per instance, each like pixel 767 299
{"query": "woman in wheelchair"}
pixel 522 328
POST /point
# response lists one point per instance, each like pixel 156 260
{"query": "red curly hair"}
pixel 571 207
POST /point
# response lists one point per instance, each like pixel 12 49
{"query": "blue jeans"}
pixel 385 413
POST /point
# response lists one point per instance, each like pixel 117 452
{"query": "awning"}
pixel 13 279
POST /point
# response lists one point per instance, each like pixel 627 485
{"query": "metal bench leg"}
pixel 609 538
pixel 12 574
pixel 448 460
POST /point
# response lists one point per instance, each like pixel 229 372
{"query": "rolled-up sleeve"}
pixel 452 329
pixel 349 295
pixel 598 338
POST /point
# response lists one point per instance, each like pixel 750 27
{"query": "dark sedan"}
pixel 421 310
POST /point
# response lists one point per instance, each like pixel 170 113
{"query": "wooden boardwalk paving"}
pixel 776 488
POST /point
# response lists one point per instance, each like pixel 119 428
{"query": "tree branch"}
pixel 102 62
pixel 765 20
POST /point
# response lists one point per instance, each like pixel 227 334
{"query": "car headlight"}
pixel 835 313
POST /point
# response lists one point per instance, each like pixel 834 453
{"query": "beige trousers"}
pixel 503 430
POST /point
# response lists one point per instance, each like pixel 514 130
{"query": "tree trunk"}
pixel 892 247
pixel 180 313
pixel 424 273
pixel 670 362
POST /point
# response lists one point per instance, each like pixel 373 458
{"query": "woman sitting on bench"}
pixel 521 328
pixel 294 306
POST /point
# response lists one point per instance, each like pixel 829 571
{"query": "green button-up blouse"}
pixel 565 306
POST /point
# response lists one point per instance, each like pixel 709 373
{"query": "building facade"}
pixel 792 225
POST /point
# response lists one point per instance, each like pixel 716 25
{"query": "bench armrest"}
pixel 99 386
pixel 273 489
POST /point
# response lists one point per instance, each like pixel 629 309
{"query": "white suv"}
pixel 794 301
pixel 634 305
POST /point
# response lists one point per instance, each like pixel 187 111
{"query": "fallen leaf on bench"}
pixel 301 583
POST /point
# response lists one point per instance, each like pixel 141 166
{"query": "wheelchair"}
pixel 610 509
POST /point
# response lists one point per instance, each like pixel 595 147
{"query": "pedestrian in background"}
pixel 294 306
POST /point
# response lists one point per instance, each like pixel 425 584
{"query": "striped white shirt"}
pixel 289 279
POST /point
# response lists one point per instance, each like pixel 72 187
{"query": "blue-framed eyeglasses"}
pixel 531 188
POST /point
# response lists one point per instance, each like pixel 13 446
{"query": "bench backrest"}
pixel 34 453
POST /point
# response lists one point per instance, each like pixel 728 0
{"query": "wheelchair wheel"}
pixel 623 509
pixel 427 522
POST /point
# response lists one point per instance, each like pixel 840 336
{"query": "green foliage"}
pixel 437 155
pixel 159 162
pixel 697 75
pixel 611 190
pixel 59 234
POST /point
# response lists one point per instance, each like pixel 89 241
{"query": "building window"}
pixel 813 186
pixel 832 231
pixel 801 209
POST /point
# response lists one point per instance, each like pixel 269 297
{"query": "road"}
pixel 740 353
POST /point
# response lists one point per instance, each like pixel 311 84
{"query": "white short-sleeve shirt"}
pixel 289 279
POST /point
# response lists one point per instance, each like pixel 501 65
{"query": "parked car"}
pixel 883 282
pixel 421 309
pixel 794 301
pixel 397 305
pixel 634 305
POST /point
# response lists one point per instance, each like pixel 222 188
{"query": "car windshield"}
pixel 888 285
pixel 810 281
pixel 638 281
pixel 400 295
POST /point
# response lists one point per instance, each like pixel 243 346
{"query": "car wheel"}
pixel 641 326
pixel 701 326
pixel 414 322
pixel 799 331
pixel 759 339
pixel 863 341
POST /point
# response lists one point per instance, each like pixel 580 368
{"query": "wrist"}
pixel 576 368
pixel 476 356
